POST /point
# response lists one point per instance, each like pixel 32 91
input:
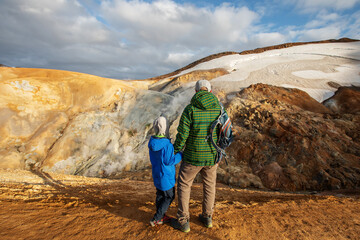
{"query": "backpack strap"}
pixel 220 152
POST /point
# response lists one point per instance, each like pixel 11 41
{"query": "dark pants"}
pixel 163 201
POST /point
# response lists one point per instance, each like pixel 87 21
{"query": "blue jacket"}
pixel 163 162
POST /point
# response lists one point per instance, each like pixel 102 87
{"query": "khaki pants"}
pixel 187 174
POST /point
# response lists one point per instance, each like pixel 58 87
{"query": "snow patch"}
pixel 344 74
pixel 318 94
pixel 310 74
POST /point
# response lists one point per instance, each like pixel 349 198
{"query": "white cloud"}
pixel 143 38
pixel 269 39
pixel 164 22
pixel 179 58
pixel 327 25
pixel 316 34
pixel 139 39
pixel 316 5
pixel 323 19
pixel 352 24
pixel 160 22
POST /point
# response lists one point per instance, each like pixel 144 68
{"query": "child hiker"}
pixel 163 163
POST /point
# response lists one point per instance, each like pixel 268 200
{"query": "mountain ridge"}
pixel 80 124
pixel 257 50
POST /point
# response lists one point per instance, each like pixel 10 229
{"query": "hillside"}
pixel 258 50
pixel 74 158
pixel 78 124
pixel 292 142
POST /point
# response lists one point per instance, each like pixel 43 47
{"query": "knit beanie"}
pixel 160 126
pixel 202 83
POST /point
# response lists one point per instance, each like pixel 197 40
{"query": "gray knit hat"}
pixel 202 83
pixel 160 126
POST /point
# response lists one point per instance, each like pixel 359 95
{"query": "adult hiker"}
pixel 198 154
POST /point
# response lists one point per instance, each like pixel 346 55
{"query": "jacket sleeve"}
pixel 183 129
pixel 171 158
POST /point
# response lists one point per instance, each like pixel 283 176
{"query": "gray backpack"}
pixel 225 134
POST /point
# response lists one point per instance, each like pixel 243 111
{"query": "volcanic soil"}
pixel 38 205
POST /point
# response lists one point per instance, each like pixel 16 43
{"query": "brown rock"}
pixel 345 100
pixel 305 149
pixel 273 177
pixel 291 96
pixel 276 130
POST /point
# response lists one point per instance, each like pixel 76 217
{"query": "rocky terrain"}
pixel 292 142
pixel 74 159
pixel 286 138
pixel 40 205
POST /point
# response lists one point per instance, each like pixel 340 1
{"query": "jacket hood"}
pixel 205 100
pixel 156 144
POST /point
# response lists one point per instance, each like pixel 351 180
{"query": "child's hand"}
pixel 181 154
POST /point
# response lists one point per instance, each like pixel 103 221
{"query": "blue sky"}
pixel 137 39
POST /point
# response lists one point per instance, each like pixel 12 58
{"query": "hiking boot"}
pixel 185 227
pixel 154 223
pixel 207 221
pixel 165 219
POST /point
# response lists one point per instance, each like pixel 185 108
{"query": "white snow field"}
pixel 307 67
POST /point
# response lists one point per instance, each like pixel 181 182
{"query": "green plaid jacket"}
pixel 194 126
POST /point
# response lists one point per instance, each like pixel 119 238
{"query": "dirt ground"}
pixel 37 205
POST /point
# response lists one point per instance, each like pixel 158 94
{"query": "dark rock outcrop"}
pixel 345 100
pixel 291 142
